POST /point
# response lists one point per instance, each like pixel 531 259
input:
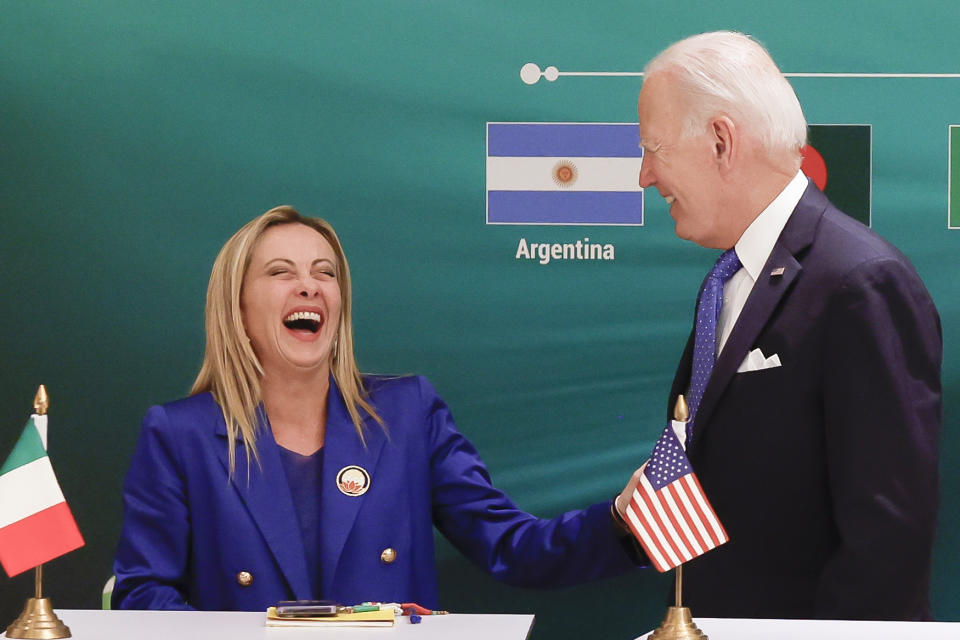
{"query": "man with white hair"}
pixel 813 371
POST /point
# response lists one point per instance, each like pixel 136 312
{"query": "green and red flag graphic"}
pixel 953 193
pixel 36 525
pixel 838 158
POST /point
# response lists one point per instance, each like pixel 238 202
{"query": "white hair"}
pixel 729 73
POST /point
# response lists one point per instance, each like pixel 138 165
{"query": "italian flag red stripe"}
pixel 39 538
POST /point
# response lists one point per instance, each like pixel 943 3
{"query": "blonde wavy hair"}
pixel 231 371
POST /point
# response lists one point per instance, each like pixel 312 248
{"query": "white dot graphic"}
pixel 530 73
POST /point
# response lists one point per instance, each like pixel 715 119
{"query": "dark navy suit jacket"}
pixel 823 470
pixel 189 529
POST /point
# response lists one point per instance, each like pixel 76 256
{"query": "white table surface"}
pixel 173 625
pixel 743 629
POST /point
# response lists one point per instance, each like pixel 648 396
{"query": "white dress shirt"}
pixel 753 248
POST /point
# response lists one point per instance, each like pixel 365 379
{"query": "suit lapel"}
pixel 343 448
pixel 764 298
pixel 767 294
pixel 266 494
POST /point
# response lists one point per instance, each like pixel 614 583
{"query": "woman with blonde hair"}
pixel 287 474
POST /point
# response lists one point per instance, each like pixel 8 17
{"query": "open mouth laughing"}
pixel 304 321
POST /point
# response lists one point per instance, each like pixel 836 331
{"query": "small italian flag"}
pixel 36 525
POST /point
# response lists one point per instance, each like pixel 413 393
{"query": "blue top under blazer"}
pixel 189 529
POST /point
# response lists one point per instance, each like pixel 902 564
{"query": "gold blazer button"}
pixel 245 578
pixel 388 555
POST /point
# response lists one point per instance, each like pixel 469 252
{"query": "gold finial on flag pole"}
pixel 680 410
pixel 38 620
pixel 41 401
pixel 678 624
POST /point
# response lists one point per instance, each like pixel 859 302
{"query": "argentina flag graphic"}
pixel 554 173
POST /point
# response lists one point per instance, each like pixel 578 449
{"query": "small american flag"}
pixel 668 513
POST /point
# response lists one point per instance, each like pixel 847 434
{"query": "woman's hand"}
pixel 623 499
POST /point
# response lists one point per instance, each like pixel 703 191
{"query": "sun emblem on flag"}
pixel 565 173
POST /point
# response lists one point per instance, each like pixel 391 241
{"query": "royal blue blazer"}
pixel 190 529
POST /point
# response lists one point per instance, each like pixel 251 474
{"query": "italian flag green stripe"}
pixel 28 448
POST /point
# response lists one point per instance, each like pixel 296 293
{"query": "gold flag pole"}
pixel 678 624
pixel 38 620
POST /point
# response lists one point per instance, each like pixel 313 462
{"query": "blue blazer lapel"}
pixel 343 448
pixel 266 494
pixel 765 297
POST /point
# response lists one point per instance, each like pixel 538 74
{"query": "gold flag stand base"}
pixel 678 624
pixel 37 620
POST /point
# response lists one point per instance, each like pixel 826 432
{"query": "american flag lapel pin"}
pixel 777 272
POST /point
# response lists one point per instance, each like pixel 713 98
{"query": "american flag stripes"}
pixel 669 513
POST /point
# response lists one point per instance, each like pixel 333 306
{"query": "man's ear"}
pixel 724 138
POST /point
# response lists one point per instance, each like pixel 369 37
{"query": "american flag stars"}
pixel 667 462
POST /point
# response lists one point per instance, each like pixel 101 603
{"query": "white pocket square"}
pixel 755 361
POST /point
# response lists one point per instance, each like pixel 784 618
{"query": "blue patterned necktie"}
pixel 705 340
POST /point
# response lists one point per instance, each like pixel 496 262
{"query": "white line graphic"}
pixel 531 73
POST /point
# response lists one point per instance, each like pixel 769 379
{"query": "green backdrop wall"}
pixel 136 136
